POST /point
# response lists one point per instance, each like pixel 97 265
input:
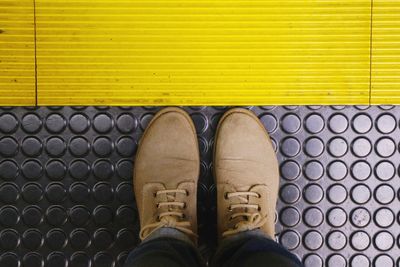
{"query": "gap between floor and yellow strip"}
pixel 185 52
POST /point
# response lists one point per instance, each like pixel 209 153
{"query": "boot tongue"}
pixel 169 221
pixel 169 197
pixel 249 218
pixel 249 200
pixel 245 188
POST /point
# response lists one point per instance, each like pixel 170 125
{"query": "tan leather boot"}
pixel 247 175
pixel 166 173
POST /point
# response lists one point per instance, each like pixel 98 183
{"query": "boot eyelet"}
pixel 259 208
pixel 187 193
pixel 184 205
pixel 229 208
pixel 158 205
pixel 226 195
pixel 258 195
pixel 155 194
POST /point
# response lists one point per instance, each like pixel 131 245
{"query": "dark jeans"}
pixel 250 249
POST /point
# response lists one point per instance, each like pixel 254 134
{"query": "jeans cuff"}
pixel 243 235
pixel 168 232
pixel 229 245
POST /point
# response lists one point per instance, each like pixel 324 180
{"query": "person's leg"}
pixel 247 178
pixel 165 183
pixel 253 249
pixel 165 247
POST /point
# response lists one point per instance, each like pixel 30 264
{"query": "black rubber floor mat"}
pixel 66 190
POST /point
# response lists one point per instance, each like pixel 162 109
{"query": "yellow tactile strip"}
pixel 385 79
pixel 191 52
pixel 178 52
pixel 17 53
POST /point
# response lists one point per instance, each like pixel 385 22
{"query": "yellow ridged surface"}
pixel 203 52
pixel 17 53
pixel 385 78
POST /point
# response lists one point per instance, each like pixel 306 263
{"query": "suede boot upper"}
pixel 246 173
pixel 166 173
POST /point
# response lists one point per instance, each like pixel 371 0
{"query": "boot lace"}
pixel 173 218
pixel 251 216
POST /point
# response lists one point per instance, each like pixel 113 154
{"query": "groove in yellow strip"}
pixel 385 78
pixel 186 52
pixel 17 53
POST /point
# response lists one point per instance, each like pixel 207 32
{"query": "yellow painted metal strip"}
pixel 17 53
pixel 385 78
pixel 192 52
